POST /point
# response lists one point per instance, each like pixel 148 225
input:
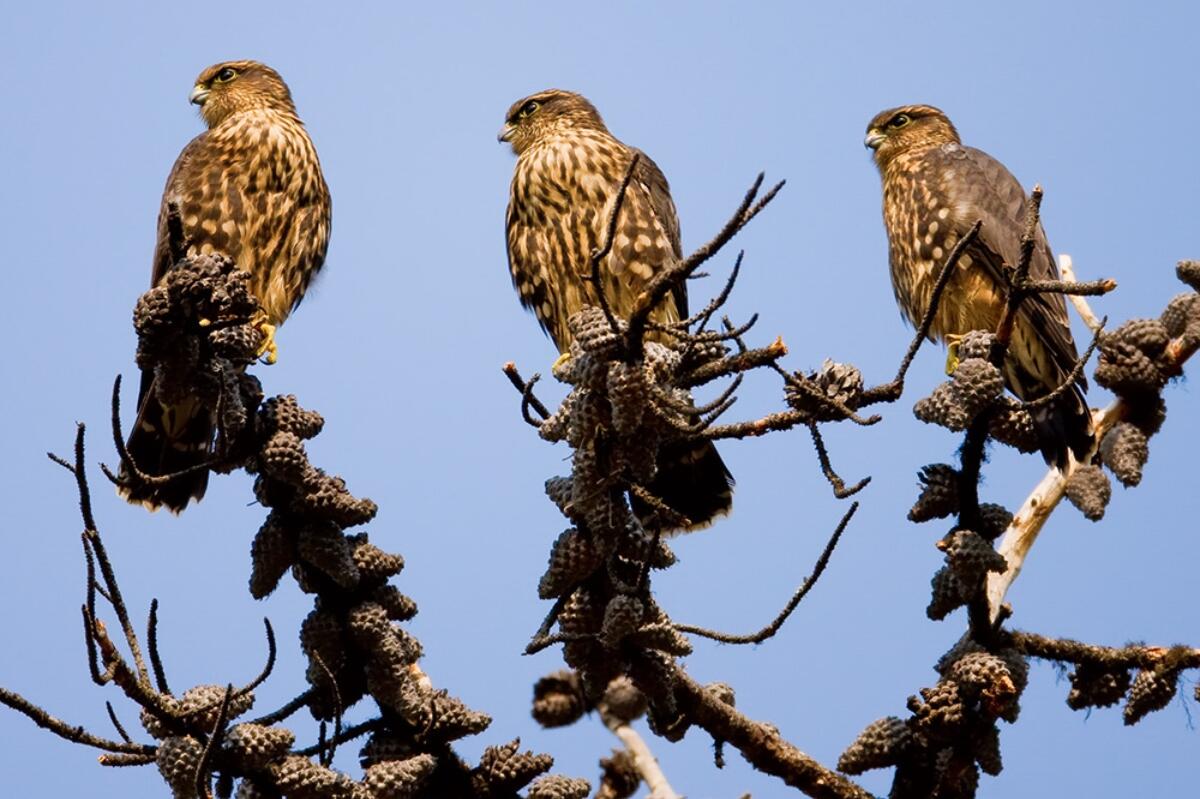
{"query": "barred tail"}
pixel 693 481
pixel 166 440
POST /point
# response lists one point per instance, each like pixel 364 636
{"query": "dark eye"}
pixel 899 121
pixel 225 75
pixel 529 108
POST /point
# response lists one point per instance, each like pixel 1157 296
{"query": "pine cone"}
pixel 1189 272
pixel 556 786
pixel 558 699
pixel 1094 686
pixel 399 779
pixel 939 493
pixel 1152 690
pixel 1124 451
pixel 573 557
pixel 256 745
pixel 883 743
pixel 1089 490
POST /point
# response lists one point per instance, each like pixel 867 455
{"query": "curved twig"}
pixel 797 597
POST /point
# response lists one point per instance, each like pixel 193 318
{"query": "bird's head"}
pixel 231 87
pixel 900 130
pixel 545 114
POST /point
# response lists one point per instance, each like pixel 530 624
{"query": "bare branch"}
pixel 761 745
pixel 74 733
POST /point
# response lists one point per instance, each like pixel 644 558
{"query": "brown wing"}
pixel 646 241
pixel 254 191
pixel 192 159
pixel 977 186
pixel 557 211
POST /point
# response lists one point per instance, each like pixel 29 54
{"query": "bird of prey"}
pixel 569 169
pixel 249 187
pixel 934 190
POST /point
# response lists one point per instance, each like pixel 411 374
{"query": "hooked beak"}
pixel 506 133
pixel 874 139
pixel 199 95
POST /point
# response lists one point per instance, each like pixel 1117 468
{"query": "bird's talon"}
pixel 268 351
pixel 952 353
pixel 562 361
pixel 205 322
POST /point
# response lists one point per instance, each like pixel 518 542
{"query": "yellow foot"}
pixel 268 350
pixel 563 362
pixel 952 353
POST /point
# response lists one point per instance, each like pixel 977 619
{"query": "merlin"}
pixel 249 187
pixel 934 190
pixel 568 173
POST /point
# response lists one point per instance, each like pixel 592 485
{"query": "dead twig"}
pixel 528 400
pixel 797 597
pixel 839 486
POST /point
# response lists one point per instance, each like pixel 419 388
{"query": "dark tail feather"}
pixel 1064 426
pixel 693 481
pixel 165 441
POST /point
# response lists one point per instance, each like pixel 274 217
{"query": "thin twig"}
pixel 73 733
pixel 348 734
pixel 667 279
pixel 1020 275
pixel 528 400
pixel 839 486
pixel 276 716
pixel 610 233
pixel 130 465
pixel 160 675
pixel 735 364
pixel 116 722
pixel 272 651
pixel 203 778
pixel 797 597
pixel 1072 377
pixel 118 761
pixel 540 638
pixel 1093 288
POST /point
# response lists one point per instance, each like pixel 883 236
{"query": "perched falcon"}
pixel 934 190
pixel 569 168
pixel 249 187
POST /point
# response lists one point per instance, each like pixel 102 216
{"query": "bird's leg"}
pixel 952 352
pixel 268 350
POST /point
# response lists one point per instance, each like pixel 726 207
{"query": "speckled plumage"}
pixel 934 190
pixel 250 187
pixel 569 169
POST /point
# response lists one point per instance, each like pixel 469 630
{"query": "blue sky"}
pixel 400 343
